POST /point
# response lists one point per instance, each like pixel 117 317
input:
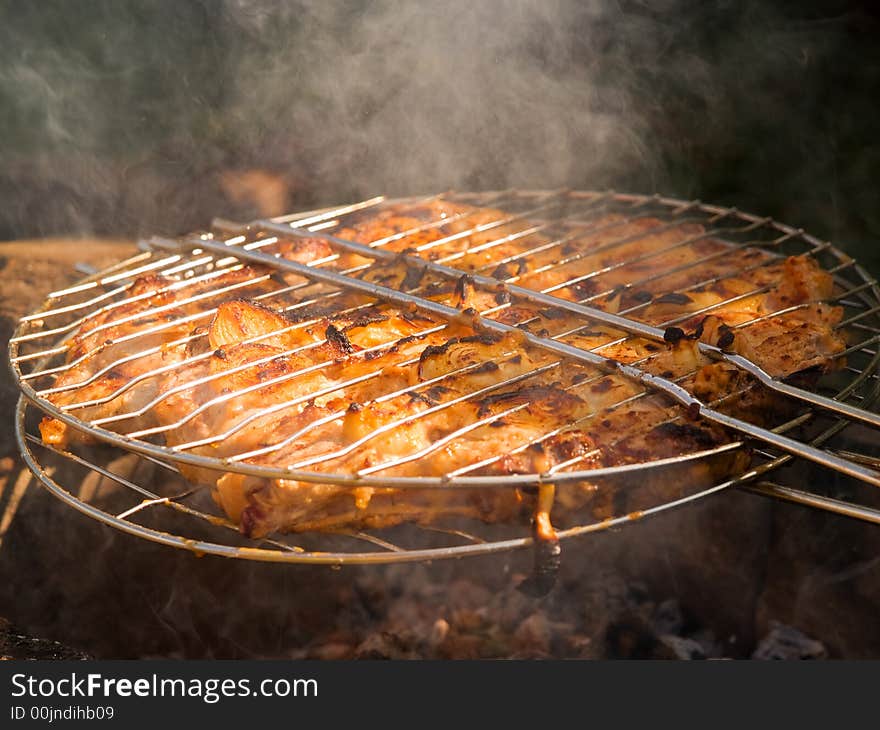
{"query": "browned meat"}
pixel 110 353
pixel 335 383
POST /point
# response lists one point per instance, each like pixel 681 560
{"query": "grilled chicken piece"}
pixel 462 423
pixel 505 422
pixel 294 380
pixel 339 384
pixel 111 354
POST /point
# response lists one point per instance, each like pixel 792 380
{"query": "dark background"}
pixel 123 117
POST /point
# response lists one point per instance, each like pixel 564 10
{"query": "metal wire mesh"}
pixel 695 247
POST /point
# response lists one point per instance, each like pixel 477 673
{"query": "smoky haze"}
pixel 130 117
pixel 423 96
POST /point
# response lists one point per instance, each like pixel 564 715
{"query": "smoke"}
pixel 130 117
pixel 410 97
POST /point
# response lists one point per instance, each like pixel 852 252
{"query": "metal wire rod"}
pixel 676 392
pixel 862 388
pixel 628 325
pixel 642 201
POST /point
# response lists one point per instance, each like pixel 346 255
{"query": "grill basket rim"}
pixel 870 295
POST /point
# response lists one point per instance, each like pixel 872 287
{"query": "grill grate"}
pixel 537 227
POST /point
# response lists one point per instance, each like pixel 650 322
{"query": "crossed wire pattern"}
pixel 468 257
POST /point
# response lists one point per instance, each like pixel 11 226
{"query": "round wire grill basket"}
pixel 132 481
